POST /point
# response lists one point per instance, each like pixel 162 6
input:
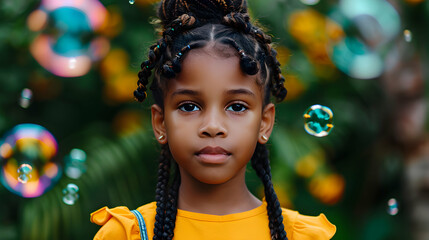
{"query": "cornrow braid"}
pixel 161 192
pixel 155 52
pixel 241 22
pixel 208 11
pixel 277 85
pixel 261 163
pixel 171 211
pixel 247 64
pixel 170 69
pixel 179 25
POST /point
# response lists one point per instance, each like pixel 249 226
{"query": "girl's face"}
pixel 213 116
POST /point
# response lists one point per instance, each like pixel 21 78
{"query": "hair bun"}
pixel 203 10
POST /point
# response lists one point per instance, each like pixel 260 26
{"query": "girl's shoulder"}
pixel 303 227
pixel 120 222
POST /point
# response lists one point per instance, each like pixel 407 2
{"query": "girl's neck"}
pixel 230 197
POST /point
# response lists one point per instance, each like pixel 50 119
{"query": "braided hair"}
pixel 191 24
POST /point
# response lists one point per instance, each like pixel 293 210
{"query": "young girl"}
pixel 214 72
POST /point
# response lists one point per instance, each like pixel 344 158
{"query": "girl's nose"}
pixel 213 125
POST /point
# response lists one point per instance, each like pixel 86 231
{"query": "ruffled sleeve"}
pixel 308 227
pixel 117 223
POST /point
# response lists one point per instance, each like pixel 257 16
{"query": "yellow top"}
pixel 120 223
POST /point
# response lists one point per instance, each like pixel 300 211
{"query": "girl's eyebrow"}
pixel 240 91
pixel 229 92
pixel 185 92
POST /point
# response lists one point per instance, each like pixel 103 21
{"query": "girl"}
pixel 214 72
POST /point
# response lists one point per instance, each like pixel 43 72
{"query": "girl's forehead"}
pixel 213 50
pixel 207 67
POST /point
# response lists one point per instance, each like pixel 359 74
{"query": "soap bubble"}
pixel 24 172
pixel 70 194
pixel 66 44
pixel 26 97
pixel 318 120
pixel 75 163
pixel 392 207
pixel 28 163
pixel 408 36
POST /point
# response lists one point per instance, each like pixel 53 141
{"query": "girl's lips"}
pixel 212 155
pixel 212 158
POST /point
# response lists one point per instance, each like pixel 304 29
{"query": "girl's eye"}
pixel 237 107
pixel 189 107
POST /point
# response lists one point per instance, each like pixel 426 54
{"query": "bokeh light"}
pixel 318 120
pixel 70 194
pixel 131 2
pixel 75 163
pixel 27 154
pixel 328 188
pixel 119 79
pixel 67 45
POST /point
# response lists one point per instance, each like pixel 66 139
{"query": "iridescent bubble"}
pixel 355 59
pixel 131 2
pixel 25 99
pixel 75 163
pixel 28 164
pixel 24 172
pixel 67 32
pixel 318 120
pixel 310 2
pixel 70 194
pixel 408 36
pixel 392 207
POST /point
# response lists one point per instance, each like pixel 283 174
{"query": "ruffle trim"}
pixel 117 223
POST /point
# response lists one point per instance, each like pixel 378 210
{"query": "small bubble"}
pixel 25 99
pixel 24 172
pixel 392 207
pixel 408 36
pixel 75 163
pixel 310 2
pixel 318 120
pixel 131 2
pixel 70 194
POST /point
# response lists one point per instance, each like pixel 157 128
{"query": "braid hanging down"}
pixel 261 163
pixel 191 24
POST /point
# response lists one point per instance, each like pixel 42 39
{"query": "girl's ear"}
pixel 267 123
pixel 158 125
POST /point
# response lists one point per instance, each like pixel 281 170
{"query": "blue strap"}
pixel 142 225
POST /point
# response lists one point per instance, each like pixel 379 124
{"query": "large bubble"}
pixel 68 44
pixel 27 156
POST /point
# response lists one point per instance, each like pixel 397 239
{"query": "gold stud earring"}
pixel 161 137
pixel 264 138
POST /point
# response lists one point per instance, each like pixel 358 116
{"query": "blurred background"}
pixel 350 140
